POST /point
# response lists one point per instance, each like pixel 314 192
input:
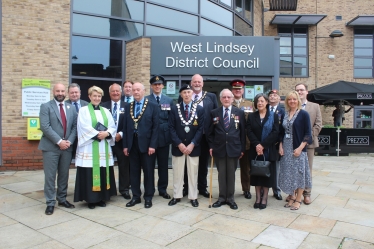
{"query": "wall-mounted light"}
pixel 74 58
pixel 336 33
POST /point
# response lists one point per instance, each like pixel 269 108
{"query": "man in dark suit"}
pixel 247 106
pixel 127 92
pixel 226 137
pixel 209 102
pixel 274 106
pixel 162 153
pixel 117 108
pixel 58 122
pixel 140 131
pixel 186 122
pixel 74 92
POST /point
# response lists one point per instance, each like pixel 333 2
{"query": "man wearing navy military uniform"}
pixel 162 153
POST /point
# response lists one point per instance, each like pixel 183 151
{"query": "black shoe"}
pixel 126 195
pixel 185 192
pixel 49 210
pixel 174 201
pixel 194 203
pixel 256 205
pixel 278 197
pixel 204 193
pixel 101 204
pixel 218 204
pixel 133 202
pixel 66 204
pixel 91 205
pixel 262 206
pixel 148 204
pixel 165 195
pixel 247 195
pixel 232 205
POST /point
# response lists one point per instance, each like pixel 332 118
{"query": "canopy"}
pixel 343 92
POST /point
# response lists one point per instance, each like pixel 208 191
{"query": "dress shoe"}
pixel 194 203
pixel 307 200
pixel 204 193
pixel 232 205
pixel 126 195
pixel 148 204
pixel 262 206
pixel 165 195
pixel 256 205
pixel 66 204
pixel 133 202
pixel 174 201
pixel 101 204
pixel 217 204
pixel 49 210
pixel 185 192
pixel 91 205
pixel 247 195
pixel 278 197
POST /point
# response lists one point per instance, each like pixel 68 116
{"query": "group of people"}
pixel 138 131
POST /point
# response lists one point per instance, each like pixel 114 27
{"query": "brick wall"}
pixel 35 43
pixel 257 18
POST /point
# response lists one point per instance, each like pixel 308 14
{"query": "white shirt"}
pixel 118 112
pixel 228 112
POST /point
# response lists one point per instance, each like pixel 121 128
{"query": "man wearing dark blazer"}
pixel 226 137
pixel 140 131
pixel 274 106
pixel 209 102
pixel 117 108
pixel 58 122
pixel 162 153
pixel 127 92
pixel 186 121
pixel 74 92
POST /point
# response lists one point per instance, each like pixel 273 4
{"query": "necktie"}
pixel 272 109
pixel 128 99
pixel 226 119
pixel 137 109
pixel 114 113
pixel 303 106
pixel 63 118
pixel 196 98
pixel 76 106
pixel 186 111
pixel 158 99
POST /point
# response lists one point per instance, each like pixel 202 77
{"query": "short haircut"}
pixel 305 85
pixel 120 87
pixel 220 94
pixel 73 85
pixel 288 96
pixel 95 89
pixel 128 81
pixel 255 101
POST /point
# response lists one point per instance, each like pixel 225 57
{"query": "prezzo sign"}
pixel 364 96
pixel 357 140
pixel 210 55
pixel 323 140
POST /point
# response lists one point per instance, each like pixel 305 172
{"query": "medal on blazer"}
pixel 136 120
pixel 192 117
pixel 236 119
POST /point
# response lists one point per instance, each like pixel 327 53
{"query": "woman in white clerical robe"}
pixel 95 182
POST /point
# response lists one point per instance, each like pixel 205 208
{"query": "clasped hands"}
pixel 64 144
pixel 259 149
pixel 186 150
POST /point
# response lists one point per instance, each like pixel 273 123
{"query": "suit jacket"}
pixel 209 103
pixel 108 105
pixel 51 126
pixel 254 133
pixel 82 102
pixel 179 135
pixel 280 112
pixel 163 126
pixel 245 103
pixel 315 122
pixel 231 141
pixel 147 127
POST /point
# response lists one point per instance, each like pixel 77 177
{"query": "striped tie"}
pixel 226 119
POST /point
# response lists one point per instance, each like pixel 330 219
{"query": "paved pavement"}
pixel 340 216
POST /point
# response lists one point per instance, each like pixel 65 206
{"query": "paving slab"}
pixel 14 201
pixel 126 241
pixel 24 187
pixel 358 232
pixel 6 221
pixel 50 244
pixel 188 216
pixel 349 215
pixel 313 241
pixel 360 205
pixel 313 224
pixel 355 244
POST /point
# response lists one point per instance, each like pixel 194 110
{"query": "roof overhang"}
pixel 363 20
pixel 299 19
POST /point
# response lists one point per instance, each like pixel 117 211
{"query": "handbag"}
pixel 260 168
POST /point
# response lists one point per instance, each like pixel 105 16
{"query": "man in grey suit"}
pixel 164 139
pixel 58 122
pixel 74 92
pixel 316 124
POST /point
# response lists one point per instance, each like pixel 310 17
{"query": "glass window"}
pixel 216 13
pixel 242 27
pixel 121 8
pixel 103 84
pixel 226 2
pixel 171 18
pixel 96 57
pixel 190 5
pixel 245 11
pixel 293 51
pixel 211 29
pixel 363 53
pixel 156 31
pixel 90 25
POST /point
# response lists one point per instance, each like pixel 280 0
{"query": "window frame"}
pixel 363 36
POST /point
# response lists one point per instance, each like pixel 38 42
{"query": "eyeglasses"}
pixel 300 90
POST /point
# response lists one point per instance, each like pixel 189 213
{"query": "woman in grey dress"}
pixel 294 175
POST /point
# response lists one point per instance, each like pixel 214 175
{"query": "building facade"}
pixel 99 42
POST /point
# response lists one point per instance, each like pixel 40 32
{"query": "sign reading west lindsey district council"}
pixel 34 93
pixel 214 55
